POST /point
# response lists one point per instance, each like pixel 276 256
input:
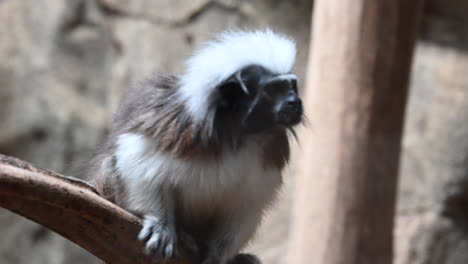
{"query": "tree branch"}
pixel 74 210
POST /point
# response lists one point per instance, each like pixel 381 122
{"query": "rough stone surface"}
pixel 64 64
pixel 432 221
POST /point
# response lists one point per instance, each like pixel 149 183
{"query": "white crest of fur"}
pixel 229 53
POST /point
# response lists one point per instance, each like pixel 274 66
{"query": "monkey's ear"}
pixel 231 91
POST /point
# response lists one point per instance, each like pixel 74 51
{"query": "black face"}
pixel 256 100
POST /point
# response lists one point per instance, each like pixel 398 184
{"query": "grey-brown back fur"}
pixel 154 109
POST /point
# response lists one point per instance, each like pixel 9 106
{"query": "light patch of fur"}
pixel 236 182
pixel 284 77
pixel 134 158
pixel 223 57
pixel 145 171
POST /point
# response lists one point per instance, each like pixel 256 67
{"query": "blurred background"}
pixel 64 65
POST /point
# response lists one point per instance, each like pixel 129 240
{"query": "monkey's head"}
pixel 255 100
pixel 242 84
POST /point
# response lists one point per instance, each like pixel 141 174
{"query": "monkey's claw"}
pixel 160 239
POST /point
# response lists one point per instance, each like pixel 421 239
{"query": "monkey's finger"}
pixel 145 233
pixel 169 251
pixel 165 245
pixel 153 243
pixel 149 223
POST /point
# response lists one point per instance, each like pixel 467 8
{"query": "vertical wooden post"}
pixel 355 99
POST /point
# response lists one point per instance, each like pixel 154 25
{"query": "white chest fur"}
pixel 238 178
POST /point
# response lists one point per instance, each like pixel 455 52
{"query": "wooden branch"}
pixel 356 93
pixel 72 209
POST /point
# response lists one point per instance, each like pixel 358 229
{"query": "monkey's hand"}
pixel 160 237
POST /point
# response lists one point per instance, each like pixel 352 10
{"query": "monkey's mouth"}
pixel 291 114
pixel 289 121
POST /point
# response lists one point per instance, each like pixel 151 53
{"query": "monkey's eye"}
pixel 231 93
pixel 278 87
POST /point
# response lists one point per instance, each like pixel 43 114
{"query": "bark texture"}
pixel 72 209
pixel 361 55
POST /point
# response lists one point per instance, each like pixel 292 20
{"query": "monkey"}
pixel 199 156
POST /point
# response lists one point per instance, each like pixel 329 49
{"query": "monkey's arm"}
pixel 159 231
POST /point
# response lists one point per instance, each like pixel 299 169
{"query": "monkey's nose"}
pixel 291 111
pixel 293 105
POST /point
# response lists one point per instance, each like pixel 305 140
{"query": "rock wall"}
pixel 432 221
pixel 64 64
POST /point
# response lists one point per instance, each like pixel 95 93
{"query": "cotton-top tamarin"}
pixel 199 156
